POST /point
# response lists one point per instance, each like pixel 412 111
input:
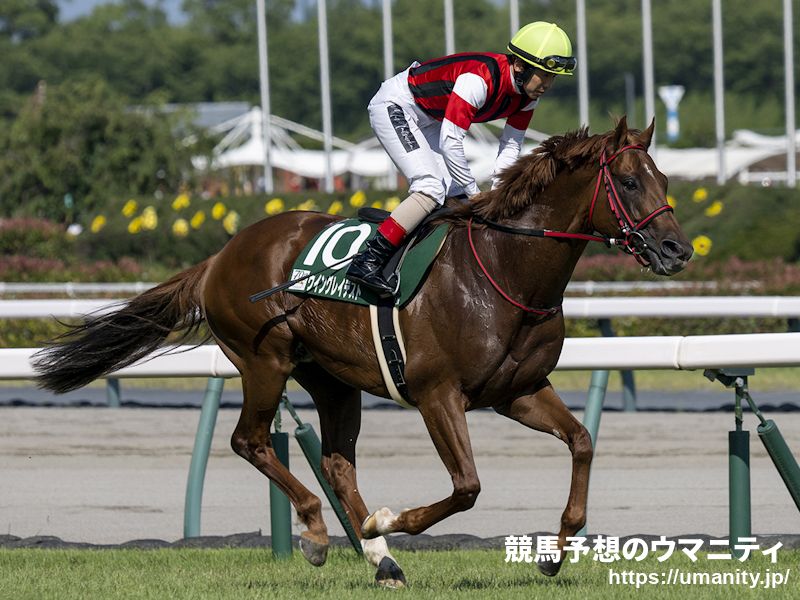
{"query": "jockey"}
pixel 422 114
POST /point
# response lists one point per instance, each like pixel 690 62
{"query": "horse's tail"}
pixel 115 340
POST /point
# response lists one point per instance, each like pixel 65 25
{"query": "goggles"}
pixel 566 64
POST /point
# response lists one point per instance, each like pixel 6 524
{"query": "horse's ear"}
pixel 647 135
pixel 621 133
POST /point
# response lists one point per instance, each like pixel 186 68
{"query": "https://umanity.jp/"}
pixel 610 550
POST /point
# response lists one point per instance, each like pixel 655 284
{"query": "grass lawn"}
pixel 253 573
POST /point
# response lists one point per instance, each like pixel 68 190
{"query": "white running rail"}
pixel 579 354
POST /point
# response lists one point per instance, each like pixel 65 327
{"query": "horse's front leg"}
pixel 447 425
pixel 544 411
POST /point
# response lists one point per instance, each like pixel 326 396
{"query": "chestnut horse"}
pixel 501 273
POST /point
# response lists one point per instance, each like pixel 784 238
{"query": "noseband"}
pixel 632 241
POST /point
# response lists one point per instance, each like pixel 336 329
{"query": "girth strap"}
pixel 390 350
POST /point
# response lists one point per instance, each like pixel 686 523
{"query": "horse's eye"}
pixel 629 183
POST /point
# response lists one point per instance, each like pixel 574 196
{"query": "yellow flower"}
pixel 198 219
pixel 702 245
pixel 671 201
pixel 231 222
pixel 358 199
pixel 149 218
pixel 180 228
pixel 714 209
pixel 335 208
pixel 181 201
pixel 392 203
pixel 97 223
pixel 129 209
pixel 377 204
pixel 135 226
pixel 274 206
pixel 218 211
pixel 700 195
pixel 307 205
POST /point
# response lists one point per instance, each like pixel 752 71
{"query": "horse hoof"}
pixel 549 567
pixel 315 553
pixel 389 574
pixel 378 523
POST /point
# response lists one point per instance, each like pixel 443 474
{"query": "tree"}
pixel 228 21
pixel 128 44
pixel 213 56
pixel 22 20
pixel 80 138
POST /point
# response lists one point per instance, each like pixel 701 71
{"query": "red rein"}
pixel 628 227
pixel 535 311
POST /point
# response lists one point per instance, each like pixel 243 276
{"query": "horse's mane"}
pixel 531 174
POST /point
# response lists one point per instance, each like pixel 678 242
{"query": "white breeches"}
pixel 411 139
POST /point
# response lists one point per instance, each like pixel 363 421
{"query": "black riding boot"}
pixel 366 268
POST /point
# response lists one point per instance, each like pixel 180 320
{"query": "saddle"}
pixel 411 263
pixel 328 251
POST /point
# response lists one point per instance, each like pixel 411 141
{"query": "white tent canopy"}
pixel 701 163
pixel 243 145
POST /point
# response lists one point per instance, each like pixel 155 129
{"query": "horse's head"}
pixel 628 196
pixel 630 202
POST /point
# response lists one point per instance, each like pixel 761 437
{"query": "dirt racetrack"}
pixel 101 475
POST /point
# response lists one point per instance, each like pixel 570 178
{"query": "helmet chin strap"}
pixel 524 77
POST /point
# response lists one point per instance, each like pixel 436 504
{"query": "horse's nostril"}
pixel 671 249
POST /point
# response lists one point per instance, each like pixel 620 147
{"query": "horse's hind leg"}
pixel 263 382
pixel 544 411
pixel 339 408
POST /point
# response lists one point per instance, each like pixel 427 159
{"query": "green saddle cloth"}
pixel 345 239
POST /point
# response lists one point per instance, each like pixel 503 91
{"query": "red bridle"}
pixel 632 241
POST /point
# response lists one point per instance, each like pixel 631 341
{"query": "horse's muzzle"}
pixel 667 256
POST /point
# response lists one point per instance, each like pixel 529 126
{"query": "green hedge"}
pixel 750 223
pixel 187 229
pixel 29 333
pixel 33 237
pixel 748 233
pixel 746 222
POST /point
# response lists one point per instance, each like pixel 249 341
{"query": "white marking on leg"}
pixel 376 550
pixel 380 522
pixel 385 520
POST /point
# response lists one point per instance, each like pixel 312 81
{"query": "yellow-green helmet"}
pixel 544 46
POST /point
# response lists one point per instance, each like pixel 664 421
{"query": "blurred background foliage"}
pixel 82 131
pixel 79 100
pixel 212 55
pixel 740 234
